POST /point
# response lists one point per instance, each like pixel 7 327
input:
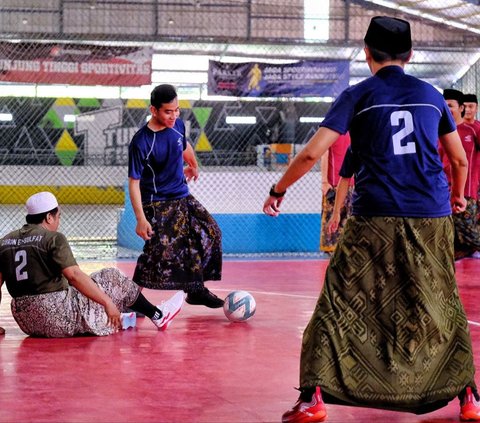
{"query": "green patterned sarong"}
pixel 389 330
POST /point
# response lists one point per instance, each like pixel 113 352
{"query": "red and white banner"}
pixel 75 64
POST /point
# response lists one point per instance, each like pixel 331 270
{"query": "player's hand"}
pixel 144 229
pixel 332 224
pixel 459 204
pixel 326 187
pixel 191 173
pixel 271 206
pixel 113 315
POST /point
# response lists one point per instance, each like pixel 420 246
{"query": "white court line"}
pixel 273 260
pixel 280 294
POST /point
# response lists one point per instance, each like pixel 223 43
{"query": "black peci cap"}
pixel 470 98
pixel 389 35
pixel 450 94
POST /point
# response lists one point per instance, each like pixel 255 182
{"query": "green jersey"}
pixel 32 259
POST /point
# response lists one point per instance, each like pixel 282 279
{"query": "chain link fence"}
pixel 72 137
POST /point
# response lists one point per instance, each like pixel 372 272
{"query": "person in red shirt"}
pixel 470 104
pixel 467 236
pixel 331 163
pixel 470 101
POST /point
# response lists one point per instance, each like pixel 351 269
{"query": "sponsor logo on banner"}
pixel 301 79
pixel 75 64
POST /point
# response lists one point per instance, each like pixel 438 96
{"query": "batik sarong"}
pixel 478 207
pixel 185 249
pixel 328 241
pixel 467 234
pixel 389 330
pixel 69 312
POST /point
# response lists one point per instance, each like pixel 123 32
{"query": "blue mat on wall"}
pixel 246 233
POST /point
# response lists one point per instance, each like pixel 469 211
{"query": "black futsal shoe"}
pixel 204 297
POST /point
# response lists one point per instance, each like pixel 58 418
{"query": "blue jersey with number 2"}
pixel 394 121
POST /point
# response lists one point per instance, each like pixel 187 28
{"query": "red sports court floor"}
pixel 202 369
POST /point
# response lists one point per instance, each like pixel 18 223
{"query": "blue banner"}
pixel 308 78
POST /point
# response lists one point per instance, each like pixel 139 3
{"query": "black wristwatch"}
pixel 275 194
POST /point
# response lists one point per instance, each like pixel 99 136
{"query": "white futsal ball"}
pixel 239 306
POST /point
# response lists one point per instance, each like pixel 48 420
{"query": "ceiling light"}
pixel 241 120
pixel 6 117
pixel 311 119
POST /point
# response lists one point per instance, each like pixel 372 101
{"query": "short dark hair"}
pixel 382 56
pixel 162 94
pixel 40 217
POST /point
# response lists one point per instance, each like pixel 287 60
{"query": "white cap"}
pixel 41 202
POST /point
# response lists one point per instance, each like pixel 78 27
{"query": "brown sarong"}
pixel 184 251
pixel 389 330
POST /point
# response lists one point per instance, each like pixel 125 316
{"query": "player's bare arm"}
pixel 455 152
pixel 143 229
pixel 191 172
pixel 2 331
pixel 301 164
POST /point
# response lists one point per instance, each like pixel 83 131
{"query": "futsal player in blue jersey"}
pixel 182 240
pixel 389 330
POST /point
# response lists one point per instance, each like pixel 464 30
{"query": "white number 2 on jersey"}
pixel 21 259
pixel 395 120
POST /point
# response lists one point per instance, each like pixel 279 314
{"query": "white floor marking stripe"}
pixel 310 297
pixel 278 294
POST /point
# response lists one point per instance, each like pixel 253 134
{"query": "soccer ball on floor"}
pixel 239 306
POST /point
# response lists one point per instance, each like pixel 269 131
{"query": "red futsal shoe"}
pixel 469 407
pixel 307 412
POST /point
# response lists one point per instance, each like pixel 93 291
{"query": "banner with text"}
pixel 312 78
pixel 75 64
